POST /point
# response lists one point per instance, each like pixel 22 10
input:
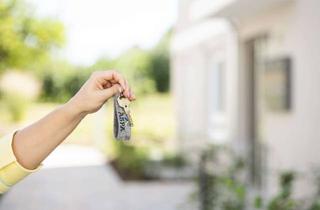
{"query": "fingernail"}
pixel 120 89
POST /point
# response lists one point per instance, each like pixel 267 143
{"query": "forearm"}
pixel 34 143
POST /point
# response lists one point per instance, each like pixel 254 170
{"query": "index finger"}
pixel 114 75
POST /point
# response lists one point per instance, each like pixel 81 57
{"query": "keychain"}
pixel 122 118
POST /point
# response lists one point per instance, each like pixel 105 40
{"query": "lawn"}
pixel 154 124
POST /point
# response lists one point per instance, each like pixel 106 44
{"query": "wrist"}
pixel 73 109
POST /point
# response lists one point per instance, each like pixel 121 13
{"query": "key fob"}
pixel 121 122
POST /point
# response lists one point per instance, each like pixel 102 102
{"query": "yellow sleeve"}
pixel 11 171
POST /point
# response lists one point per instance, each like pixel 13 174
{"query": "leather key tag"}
pixel 121 124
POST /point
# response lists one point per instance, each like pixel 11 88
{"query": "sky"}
pixel 99 28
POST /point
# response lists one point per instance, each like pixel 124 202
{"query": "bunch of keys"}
pixel 124 103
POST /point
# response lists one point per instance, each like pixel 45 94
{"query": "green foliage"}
pixel 130 161
pixel 174 160
pixel 284 201
pixel 61 80
pixel 135 64
pixel 160 71
pixel 146 70
pixel 153 130
pixel 25 39
pixel 315 202
pixel 258 202
pixel 160 64
pixel 315 205
pixel 221 188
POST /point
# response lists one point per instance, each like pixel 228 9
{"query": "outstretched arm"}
pixel 34 143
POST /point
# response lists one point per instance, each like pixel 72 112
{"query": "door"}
pixel 256 60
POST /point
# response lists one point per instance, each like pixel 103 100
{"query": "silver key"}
pixel 125 104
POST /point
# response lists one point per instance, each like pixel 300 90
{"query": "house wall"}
pixel 188 91
pixel 192 51
pixel 291 138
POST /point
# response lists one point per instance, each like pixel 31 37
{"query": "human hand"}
pixel 100 87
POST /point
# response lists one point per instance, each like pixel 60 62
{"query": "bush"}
pixel 135 65
pixel 130 161
pixel 221 188
pixel 146 70
pixel 284 200
pixel 160 64
pixel 315 200
pixel 174 160
pixel 61 81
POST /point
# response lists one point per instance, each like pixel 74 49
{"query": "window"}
pixel 217 93
pixel 216 96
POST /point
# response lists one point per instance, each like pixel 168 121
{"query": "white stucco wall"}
pixel 292 138
pixel 192 52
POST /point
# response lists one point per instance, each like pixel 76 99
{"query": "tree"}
pixel 135 64
pixel 147 70
pixel 24 38
pixel 160 64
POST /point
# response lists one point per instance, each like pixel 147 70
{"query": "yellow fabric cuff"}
pixel 3 187
pixel 6 153
pixel 11 171
pixel 12 174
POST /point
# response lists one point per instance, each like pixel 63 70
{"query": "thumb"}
pixel 109 92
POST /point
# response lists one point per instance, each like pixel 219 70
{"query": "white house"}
pixel 247 72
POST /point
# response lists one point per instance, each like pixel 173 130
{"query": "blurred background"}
pixel 227 111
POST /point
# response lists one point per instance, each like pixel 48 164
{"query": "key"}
pixel 125 104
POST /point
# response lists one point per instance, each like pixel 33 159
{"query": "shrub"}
pixel 61 81
pixel 174 160
pixel 283 200
pixel 130 161
pixel 220 186
pixel 160 63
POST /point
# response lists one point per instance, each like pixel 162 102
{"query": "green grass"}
pixel 154 124
pixel 153 117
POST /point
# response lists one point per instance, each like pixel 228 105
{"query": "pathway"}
pixel 93 187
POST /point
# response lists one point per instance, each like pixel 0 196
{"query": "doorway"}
pixel 256 55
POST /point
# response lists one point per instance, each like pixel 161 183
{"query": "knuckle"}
pixel 116 73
